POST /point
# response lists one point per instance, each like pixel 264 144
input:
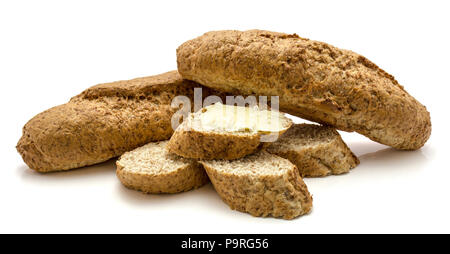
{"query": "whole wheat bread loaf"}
pixel 313 80
pixel 103 122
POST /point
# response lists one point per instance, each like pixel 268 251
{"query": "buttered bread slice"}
pixel 226 132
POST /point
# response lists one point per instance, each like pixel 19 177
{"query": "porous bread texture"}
pixel 103 122
pixel 313 80
pixel 151 169
pixel 261 184
pixel 190 140
pixel 315 150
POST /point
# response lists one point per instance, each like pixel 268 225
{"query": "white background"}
pixel 52 50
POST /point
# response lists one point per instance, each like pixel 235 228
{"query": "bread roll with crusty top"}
pixel 313 80
pixel 103 122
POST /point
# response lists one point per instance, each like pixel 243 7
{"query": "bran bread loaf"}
pixel 261 184
pixel 103 122
pixel 151 169
pixel 313 80
pixel 315 150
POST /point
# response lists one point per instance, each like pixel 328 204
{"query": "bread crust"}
pixel 314 80
pixel 317 159
pixel 185 179
pixel 103 122
pixel 280 195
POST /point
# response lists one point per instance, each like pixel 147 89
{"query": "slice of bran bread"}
pixel 261 184
pixel 316 150
pixel 226 132
pixel 151 169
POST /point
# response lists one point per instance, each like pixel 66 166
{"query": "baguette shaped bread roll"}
pixel 313 80
pixel 103 122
